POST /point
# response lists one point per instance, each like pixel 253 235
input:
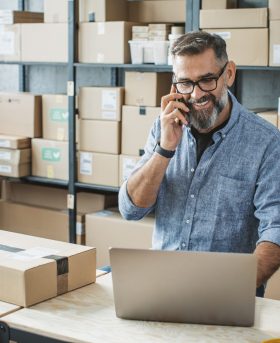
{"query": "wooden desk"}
pixel 87 315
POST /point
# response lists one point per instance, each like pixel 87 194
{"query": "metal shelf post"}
pixel 72 206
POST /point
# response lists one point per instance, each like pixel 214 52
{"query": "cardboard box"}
pixel 15 156
pixel 100 136
pixel 16 17
pixel 272 290
pixel 21 114
pixel 103 10
pixel 15 170
pixel 15 162
pixel 99 169
pixel 50 159
pixel 160 11
pixel 247 47
pixel 55 198
pixel 146 89
pixel 218 4
pixel 14 142
pixel 101 103
pixel 96 41
pixel 233 18
pixel 38 45
pixel 274 43
pixel 56 11
pixel 270 116
pixel 108 229
pixel 35 269
pixel 39 221
pixel 10 38
pixel 55 116
pixel 136 125
pixel 126 165
pixel 274 9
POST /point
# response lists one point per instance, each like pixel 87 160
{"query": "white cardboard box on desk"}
pixel 35 269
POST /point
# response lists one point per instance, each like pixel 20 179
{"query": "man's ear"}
pixel 231 72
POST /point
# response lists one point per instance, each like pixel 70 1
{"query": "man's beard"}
pixel 205 119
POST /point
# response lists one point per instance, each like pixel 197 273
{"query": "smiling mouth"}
pixel 200 105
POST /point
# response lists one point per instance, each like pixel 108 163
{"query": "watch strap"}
pixel 164 152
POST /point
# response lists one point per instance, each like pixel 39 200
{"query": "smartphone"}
pixel 185 114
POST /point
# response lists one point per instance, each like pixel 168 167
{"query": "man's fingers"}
pixel 176 116
pixel 167 98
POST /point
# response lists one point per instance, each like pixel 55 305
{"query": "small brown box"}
pixel 146 89
pixel 99 169
pixel 21 114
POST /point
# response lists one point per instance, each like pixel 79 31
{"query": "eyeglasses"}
pixel 206 85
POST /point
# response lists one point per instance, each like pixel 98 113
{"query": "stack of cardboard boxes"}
pixel 15 156
pixel 20 117
pixel 50 153
pixel 100 134
pixel 143 92
pixel 244 30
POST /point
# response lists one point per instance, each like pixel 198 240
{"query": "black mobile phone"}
pixel 185 114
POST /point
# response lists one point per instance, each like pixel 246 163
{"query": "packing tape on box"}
pixel 62 266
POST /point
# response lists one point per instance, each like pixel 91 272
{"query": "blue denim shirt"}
pixel 229 201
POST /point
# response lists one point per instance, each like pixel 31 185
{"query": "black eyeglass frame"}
pixel 196 83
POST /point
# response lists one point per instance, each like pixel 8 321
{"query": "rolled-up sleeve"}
pixel 267 195
pixel 127 208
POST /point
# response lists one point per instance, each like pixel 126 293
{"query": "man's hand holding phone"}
pixel 173 116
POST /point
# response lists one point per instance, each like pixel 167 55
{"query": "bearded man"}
pixel 211 168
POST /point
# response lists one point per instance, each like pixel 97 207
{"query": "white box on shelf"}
pixel 136 51
pixel 155 51
pixel 160 50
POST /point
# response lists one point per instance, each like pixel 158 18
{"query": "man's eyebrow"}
pixel 208 75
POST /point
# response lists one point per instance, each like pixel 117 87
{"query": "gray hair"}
pixel 196 42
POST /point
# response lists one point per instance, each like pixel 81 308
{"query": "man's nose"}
pixel 197 93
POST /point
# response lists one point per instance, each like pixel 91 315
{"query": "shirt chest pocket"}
pixel 234 198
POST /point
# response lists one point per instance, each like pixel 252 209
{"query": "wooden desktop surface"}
pixel 88 315
pixel 6 308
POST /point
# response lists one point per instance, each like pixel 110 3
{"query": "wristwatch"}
pixel 164 152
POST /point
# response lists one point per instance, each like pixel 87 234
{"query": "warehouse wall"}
pixel 256 88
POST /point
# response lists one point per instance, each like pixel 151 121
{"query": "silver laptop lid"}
pixel 187 287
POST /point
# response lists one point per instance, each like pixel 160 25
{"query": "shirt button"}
pixel 192 170
pixel 191 143
pixel 183 245
pixel 223 135
pixel 192 196
pixel 187 221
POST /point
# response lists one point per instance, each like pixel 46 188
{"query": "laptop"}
pixel 184 286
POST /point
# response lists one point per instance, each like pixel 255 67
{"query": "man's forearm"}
pixel 268 259
pixel 143 186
